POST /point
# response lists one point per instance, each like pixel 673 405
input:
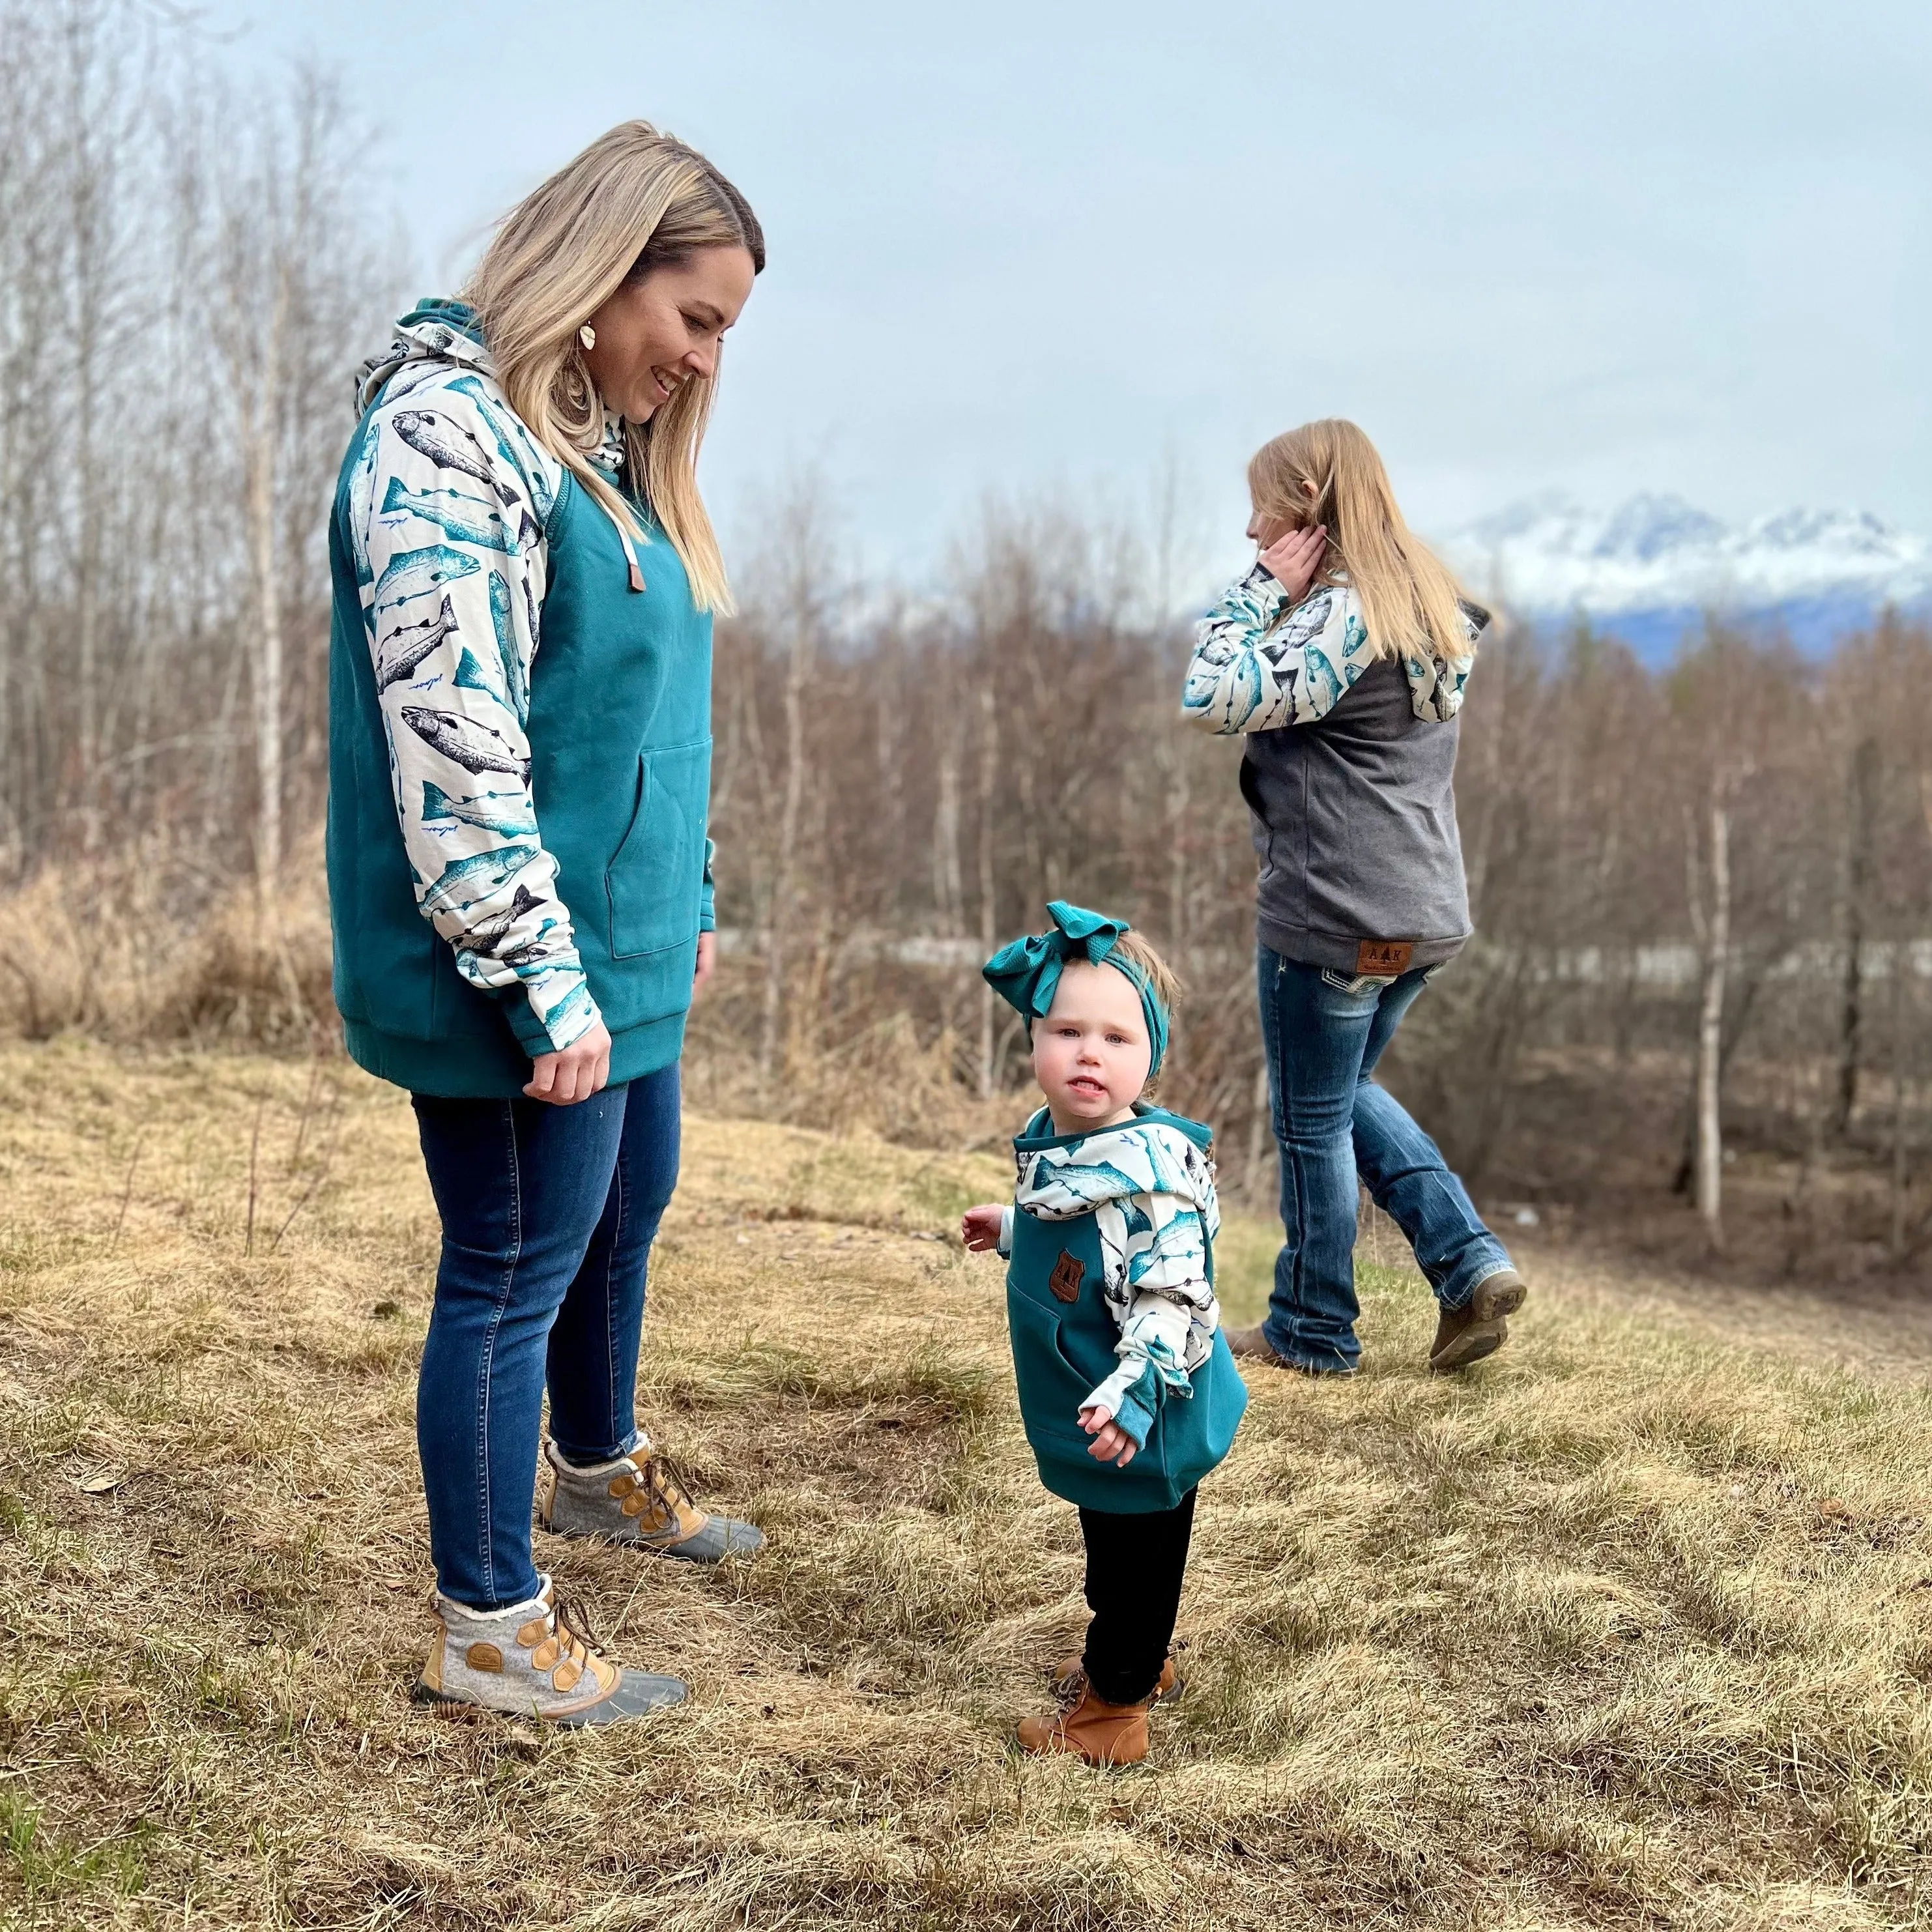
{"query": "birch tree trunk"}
pixel 85 212
pixel 1860 802
pixel 1900 966
pixel 1179 796
pixel 948 891
pixel 798 670
pixel 989 773
pixel 1710 1025
pixel 262 414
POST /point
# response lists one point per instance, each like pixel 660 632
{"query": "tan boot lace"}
pixel 655 1487
pixel 564 1644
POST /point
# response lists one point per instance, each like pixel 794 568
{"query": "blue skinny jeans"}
pixel 1323 1032
pixel 548 1214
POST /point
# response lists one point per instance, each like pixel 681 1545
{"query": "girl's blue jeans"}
pixel 1323 1032
pixel 548 1214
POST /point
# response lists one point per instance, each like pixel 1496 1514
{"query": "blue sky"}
pixel 1056 246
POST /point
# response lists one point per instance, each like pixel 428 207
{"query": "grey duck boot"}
pixel 535 1659
pixel 636 1499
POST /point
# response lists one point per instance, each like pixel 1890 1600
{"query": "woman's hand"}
pixel 979 1228
pixel 1292 559
pixel 1110 1443
pixel 581 1070
pixel 707 962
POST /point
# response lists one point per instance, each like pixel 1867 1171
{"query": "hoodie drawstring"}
pixel 630 557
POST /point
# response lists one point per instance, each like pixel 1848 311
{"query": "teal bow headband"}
pixel 1025 972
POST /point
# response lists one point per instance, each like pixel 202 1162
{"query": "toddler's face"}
pixel 1091 1052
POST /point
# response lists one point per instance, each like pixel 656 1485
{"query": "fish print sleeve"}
pixel 447 516
pixel 1436 683
pixel 1258 664
pixel 1170 1316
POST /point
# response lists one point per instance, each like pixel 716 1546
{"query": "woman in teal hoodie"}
pixel 519 757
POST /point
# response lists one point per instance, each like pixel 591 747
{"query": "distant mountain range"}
pixel 1649 571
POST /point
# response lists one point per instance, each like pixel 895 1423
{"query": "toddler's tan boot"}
pixel 534 1659
pixel 1102 1734
pixel 1068 1679
pixel 636 1499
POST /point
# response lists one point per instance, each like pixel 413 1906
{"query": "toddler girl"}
pixel 1128 1393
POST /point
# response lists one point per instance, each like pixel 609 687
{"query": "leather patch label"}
pixel 1384 957
pixel 1067 1277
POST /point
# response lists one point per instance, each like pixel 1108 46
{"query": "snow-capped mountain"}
pixel 1650 570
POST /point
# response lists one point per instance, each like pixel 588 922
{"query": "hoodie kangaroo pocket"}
pixel 656 882
pixel 1052 1384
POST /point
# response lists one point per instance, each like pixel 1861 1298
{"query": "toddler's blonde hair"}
pixel 1167 989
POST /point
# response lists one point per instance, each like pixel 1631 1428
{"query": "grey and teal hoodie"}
pixel 1110 1304
pixel 1347 772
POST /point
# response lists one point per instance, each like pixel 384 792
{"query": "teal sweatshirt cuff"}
pixel 1135 1414
pixel 531 1034
pixel 707 899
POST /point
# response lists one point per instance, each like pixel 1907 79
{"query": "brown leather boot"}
pixel 1068 1679
pixel 1252 1345
pixel 1466 1335
pixel 1102 1734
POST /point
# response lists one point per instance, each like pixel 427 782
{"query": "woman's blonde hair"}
pixel 1328 473
pixel 633 201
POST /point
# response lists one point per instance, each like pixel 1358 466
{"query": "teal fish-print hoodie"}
pixel 520 741
pixel 1064 1315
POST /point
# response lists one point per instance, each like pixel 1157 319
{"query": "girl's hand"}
pixel 979 1228
pixel 1110 1443
pixel 1293 559
pixel 707 962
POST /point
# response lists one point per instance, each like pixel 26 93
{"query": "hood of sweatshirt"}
pixel 435 331
pixel 442 330
pixel 1061 1176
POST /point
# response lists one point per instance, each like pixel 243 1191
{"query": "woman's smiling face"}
pixel 655 335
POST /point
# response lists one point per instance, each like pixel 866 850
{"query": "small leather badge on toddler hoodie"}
pixel 1384 957
pixel 1067 1277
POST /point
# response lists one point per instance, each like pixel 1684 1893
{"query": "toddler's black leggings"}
pixel 1134 1564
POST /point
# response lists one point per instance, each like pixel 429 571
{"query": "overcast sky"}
pixel 1586 248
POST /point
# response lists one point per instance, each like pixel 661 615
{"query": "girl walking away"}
pixel 1343 656
pixel 519 702
pixel 1128 1393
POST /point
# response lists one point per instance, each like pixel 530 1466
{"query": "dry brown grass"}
pixel 137 945
pixel 1628 1627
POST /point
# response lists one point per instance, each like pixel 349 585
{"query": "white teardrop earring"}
pixel 587 336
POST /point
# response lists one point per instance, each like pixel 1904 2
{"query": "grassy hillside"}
pixel 1627 1628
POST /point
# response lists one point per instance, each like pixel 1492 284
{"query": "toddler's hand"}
pixel 1110 1443
pixel 979 1228
pixel 1293 558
